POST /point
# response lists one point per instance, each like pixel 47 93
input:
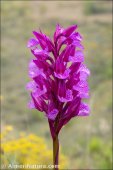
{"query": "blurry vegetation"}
pixel 43 9
pixel 98 151
pixel 92 8
pixel 27 149
pixel 94 22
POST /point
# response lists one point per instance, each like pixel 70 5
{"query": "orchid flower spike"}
pixel 58 77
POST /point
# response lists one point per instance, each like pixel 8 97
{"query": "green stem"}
pixel 56 152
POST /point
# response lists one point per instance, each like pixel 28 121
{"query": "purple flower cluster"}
pixel 58 76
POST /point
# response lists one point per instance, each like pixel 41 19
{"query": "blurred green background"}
pixel 85 141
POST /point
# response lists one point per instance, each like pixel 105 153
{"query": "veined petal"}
pixel 84 110
pixel 32 42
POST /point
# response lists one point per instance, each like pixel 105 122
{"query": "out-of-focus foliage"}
pixel 92 8
pixel 27 149
pixel 101 153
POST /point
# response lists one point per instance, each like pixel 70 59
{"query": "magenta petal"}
pixel 52 111
pixel 39 103
pixel 44 41
pixel 37 72
pixel 84 72
pixel 73 106
pixel 78 36
pixel 84 110
pixel 31 105
pixel 34 70
pixel 62 75
pixel 32 42
pixel 31 86
pixel 39 51
pixel 84 95
pixel 44 66
pixel 64 94
pixel 79 57
pixel 79 53
pixel 74 68
pixel 69 51
pixel 78 44
pixel 36 91
pixel 67 32
pixel 84 69
pixel 83 76
pixel 39 92
pixel 40 54
pixel 38 35
pixel 58 32
pixel 53 114
pixel 68 97
pixel 81 86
